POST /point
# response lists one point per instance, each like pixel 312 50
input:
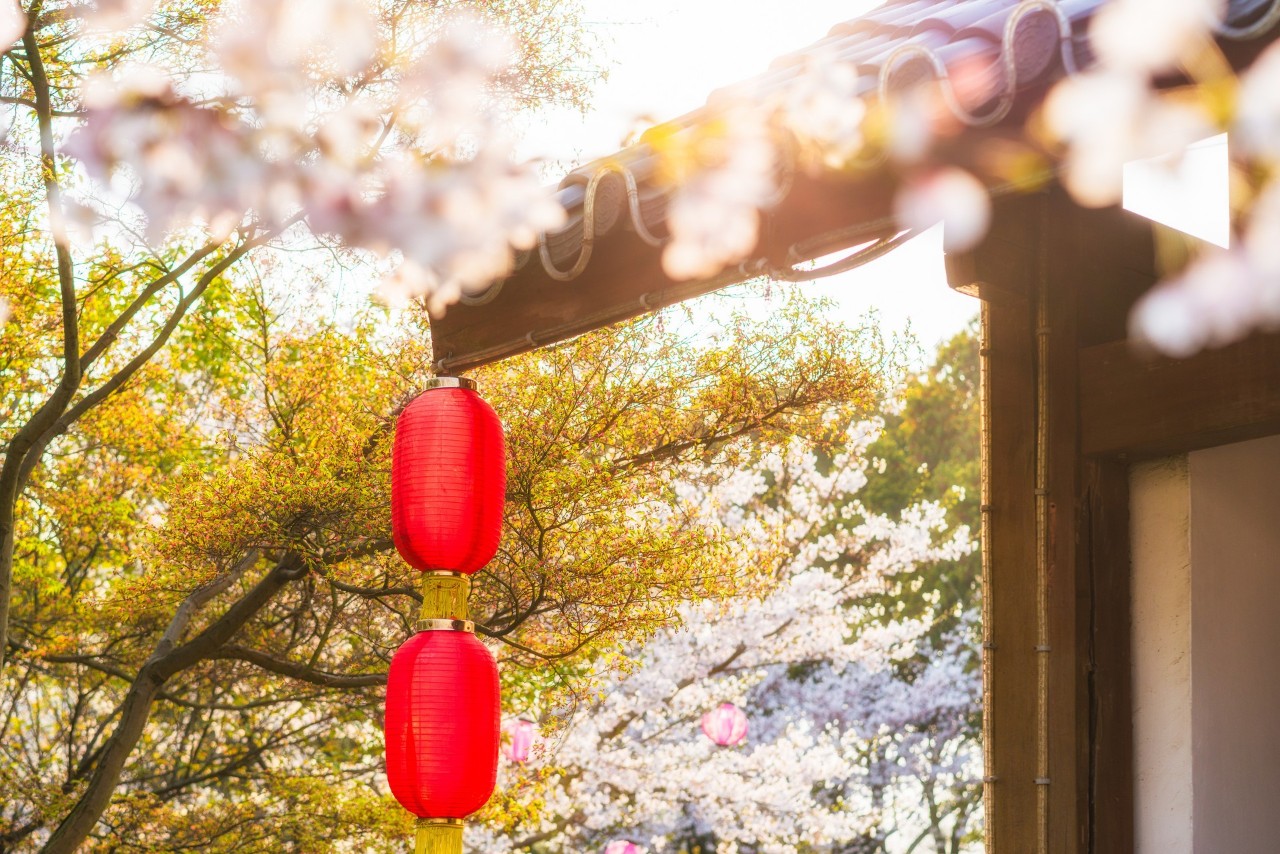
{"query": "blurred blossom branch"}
pixel 725 170
pixel 386 151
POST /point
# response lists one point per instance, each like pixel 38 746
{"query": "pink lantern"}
pixel 621 846
pixel 726 725
pixel 521 733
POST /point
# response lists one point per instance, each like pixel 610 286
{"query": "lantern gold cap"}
pixel 450 382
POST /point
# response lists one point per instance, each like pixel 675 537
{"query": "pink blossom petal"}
pixel 12 22
pixel 950 196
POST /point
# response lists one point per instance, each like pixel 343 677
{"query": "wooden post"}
pixel 1009 559
pixel 1051 702
pixel 1104 557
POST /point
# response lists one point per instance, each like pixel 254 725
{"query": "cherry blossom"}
pixel 841 740
pixel 727 173
pixel 950 196
pixel 823 108
pixel 1168 28
pixel 442 194
pixel 12 22
pixel 108 16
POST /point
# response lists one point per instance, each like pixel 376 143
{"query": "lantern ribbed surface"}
pixel 442 724
pixel 448 481
pixel 726 725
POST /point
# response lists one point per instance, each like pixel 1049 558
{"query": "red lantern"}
pixel 726 725
pixel 441 729
pixel 522 733
pixel 448 479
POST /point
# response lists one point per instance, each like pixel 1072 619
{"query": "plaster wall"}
pixel 1205 539
pixel 1235 650
pixel 1159 513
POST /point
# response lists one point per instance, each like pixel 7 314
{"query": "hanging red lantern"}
pixel 726 725
pixel 448 479
pixel 442 730
pixel 521 733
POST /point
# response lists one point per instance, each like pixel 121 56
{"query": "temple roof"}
pixel 602 266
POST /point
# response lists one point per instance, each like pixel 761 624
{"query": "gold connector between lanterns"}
pixel 439 836
pixel 444 602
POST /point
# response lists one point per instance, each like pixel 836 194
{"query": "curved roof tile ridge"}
pixel 895 46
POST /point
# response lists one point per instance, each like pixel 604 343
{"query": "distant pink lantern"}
pixel 521 733
pixel 621 846
pixel 726 725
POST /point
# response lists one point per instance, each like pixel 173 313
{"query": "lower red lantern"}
pixel 442 730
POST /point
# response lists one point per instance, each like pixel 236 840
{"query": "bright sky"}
pixel 666 56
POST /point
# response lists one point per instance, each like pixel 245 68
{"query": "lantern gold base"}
pixel 439 836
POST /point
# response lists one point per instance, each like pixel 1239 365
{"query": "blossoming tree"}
pixel 862 726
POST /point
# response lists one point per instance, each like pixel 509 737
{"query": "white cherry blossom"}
pixel 839 738
pixel 12 22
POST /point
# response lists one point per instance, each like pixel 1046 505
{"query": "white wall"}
pixel 1159 511
pixel 1205 538
pixel 1235 631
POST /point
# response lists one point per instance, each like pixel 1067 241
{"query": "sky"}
pixel 664 57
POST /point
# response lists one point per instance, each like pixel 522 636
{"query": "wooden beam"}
pixel 624 277
pixel 1147 406
pixel 1002 269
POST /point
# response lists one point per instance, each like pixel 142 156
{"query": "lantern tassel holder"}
pixel 439 836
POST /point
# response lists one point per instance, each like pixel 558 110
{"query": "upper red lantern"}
pixel 442 722
pixel 448 479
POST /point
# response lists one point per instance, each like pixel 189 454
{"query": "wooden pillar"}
pixel 1008 533
pixel 1051 545
pixel 1066 260
pixel 1104 556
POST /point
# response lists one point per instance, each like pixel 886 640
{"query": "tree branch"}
pixel 23 442
pixel 168 659
pixel 294 670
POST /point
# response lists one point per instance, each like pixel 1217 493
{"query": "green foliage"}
pixel 929 451
pixel 259 439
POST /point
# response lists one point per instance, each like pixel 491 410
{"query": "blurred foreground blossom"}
pixel 1109 118
pixel 622 846
pixel 1256 130
pixel 724 172
pixel 419 168
pixel 1220 297
pixel 823 109
pixel 189 162
pixel 107 16
pixel 12 22
pixel 949 196
pixel 727 170
pixel 1150 36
